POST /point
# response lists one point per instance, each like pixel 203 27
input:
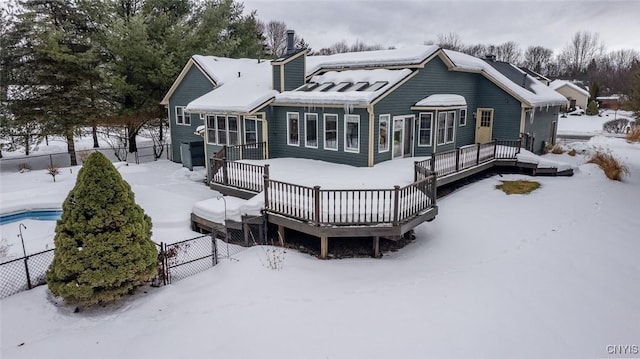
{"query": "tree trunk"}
pixel 160 135
pixel 71 148
pixel 132 132
pixel 94 133
pixel 27 144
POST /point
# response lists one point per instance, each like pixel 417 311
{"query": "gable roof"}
pixel 364 86
pixel 183 73
pixel 405 57
pixel 556 84
pixel 534 93
pixel 243 85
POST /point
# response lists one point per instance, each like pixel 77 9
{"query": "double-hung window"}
pixel 352 133
pixel 331 132
pixel 221 127
pixel 182 116
pixel 250 130
pixel 293 129
pixel 425 126
pixel 211 130
pixel 311 130
pixel 232 125
pixel 446 126
pixel 383 133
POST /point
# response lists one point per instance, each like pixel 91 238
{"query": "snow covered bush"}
pixel 612 168
pixel 103 239
pixel 616 126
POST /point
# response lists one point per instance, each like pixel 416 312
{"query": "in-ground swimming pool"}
pixel 37 214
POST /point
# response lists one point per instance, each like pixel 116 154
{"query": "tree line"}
pixel 67 65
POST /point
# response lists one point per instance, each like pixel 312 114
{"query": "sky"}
pixel 402 23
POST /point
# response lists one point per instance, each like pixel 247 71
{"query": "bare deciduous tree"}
pixel 508 52
pixel 581 50
pixel 450 41
pixel 538 58
pixel 275 33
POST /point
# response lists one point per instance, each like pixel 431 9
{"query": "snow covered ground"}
pixel 547 275
pixel 584 125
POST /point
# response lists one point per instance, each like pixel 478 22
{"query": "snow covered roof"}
pixel 535 93
pixel 411 55
pixel 439 100
pixel 556 84
pixel 350 87
pixel 242 85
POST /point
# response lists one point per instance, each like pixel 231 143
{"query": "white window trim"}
pixel 324 139
pixel 202 117
pixel 237 131
pixel 387 119
pixel 420 128
pixel 351 119
pixel 463 110
pixel 207 129
pixel 253 119
pixel 183 116
pixel 446 132
pixel 310 114
pixel 288 134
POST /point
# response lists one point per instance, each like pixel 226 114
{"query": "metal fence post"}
pixel 26 269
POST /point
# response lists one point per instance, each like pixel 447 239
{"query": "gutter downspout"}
pixel 371 134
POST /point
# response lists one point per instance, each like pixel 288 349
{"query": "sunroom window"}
pixel 352 133
pixel 293 129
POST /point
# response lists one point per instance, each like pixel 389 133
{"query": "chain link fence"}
pixel 63 159
pixel 24 273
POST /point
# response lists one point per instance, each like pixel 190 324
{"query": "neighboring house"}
pixel 576 95
pixel 356 108
pixel 612 102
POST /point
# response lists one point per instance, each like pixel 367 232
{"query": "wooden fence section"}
pixel 350 207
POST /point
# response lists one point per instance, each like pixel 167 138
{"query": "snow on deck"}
pixel 243 85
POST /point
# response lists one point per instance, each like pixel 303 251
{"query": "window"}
pixel 331 132
pixel 202 117
pixel 250 130
pixel 376 86
pixel 446 124
pixel 211 129
pixel 232 125
pixel 463 117
pixel 293 129
pixel 339 87
pixel 424 129
pixel 485 118
pixel 383 133
pixel 451 121
pixel 181 116
pixel 221 127
pixel 352 133
pixel 311 130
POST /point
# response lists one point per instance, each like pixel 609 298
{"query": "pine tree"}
pixel 592 108
pixel 594 91
pixel 103 239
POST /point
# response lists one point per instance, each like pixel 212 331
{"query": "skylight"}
pixel 376 86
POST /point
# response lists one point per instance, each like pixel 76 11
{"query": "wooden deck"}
pixel 377 213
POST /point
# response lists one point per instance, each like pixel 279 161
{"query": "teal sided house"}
pixel 456 114
pixel 356 108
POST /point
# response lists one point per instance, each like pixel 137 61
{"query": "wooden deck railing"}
pixel 224 170
pixel 350 207
pixel 462 158
pixel 240 175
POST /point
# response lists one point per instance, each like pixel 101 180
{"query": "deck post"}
pixel 324 246
pixel 316 205
pixel 415 171
pixel 281 235
pixel 495 148
pixel 266 186
pixel 245 231
pixel 519 145
pixel 434 188
pixel 433 161
pixel 478 155
pixel 225 174
pixel 457 159
pixel 396 203
pixel 376 247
